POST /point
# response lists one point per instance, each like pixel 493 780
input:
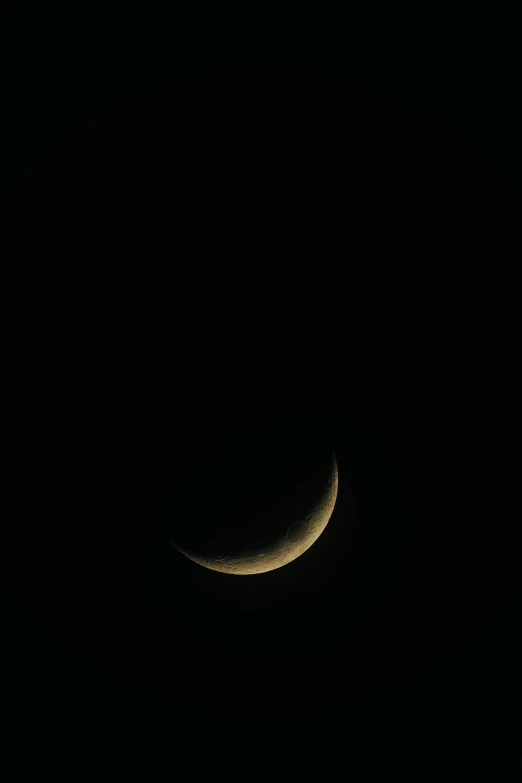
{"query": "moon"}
pixel 301 533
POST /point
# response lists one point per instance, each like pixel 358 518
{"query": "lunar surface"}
pixel 295 528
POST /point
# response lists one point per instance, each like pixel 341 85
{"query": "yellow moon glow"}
pixel 299 537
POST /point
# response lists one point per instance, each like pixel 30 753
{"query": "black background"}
pixel 161 305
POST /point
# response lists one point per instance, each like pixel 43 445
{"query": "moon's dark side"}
pixel 258 504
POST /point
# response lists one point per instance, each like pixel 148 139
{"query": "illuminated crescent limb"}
pixel 298 538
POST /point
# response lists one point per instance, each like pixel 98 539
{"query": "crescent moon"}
pixel 299 537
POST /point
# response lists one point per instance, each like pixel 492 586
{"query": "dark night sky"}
pixel 204 246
